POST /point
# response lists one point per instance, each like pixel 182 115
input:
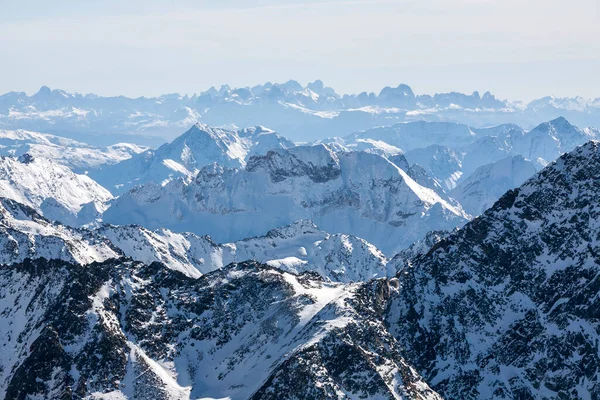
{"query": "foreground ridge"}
pixel 144 331
pixel 507 307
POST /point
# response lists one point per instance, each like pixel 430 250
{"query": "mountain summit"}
pixel 201 145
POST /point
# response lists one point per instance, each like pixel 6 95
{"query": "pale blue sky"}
pixel 516 49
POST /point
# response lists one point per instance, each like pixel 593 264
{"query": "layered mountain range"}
pixel 504 307
pixel 299 247
pixel 300 112
pixel 413 260
pixel 234 184
pixel 388 198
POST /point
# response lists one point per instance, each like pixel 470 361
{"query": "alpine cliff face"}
pixel 359 193
pixel 507 307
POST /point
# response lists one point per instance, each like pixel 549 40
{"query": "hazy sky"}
pixel 516 49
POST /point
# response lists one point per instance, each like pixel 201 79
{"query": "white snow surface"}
pixel 78 156
pixel 52 189
pixel 25 234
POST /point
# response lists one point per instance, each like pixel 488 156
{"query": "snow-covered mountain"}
pixel 487 184
pixel 440 162
pixel 355 193
pixel 297 248
pixel 52 189
pixel 200 146
pixel 507 307
pixel 79 157
pixel 26 234
pixel 301 112
pixel 415 135
pixel 541 145
pixel 546 142
pixel 128 330
pixel 459 150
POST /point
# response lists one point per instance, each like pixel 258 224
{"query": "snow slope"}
pixel 26 234
pixel 487 184
pixel 367 145
pixel 440 162
pixel 52 189
pixel 79 157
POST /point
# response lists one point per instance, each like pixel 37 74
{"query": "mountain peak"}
pixel 560 121
pixel 401 96
pixel 200 127
pixel 44 91
pixel 558 124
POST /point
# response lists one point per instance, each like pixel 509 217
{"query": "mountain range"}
pixel 412 256
pixel 302 113
pixel 504 307
pixel 299 247
pixel 296 248
pixel 233 184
